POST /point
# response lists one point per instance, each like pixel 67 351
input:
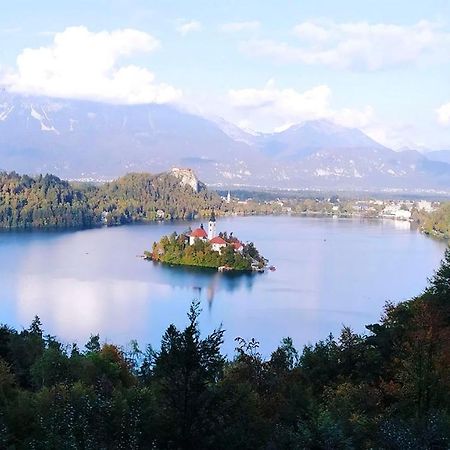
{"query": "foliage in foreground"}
pixel 388 390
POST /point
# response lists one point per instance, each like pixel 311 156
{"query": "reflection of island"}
pixel 204 281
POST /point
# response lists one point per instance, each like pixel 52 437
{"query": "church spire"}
pixel 212 225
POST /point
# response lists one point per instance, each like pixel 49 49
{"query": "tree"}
pixel 93 345
pixel 182 372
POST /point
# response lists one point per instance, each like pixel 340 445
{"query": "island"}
pixel 201 248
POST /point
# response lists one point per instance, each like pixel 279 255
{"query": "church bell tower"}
pixel 212 226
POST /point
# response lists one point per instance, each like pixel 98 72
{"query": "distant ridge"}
pixel 439 155
pixel 78 139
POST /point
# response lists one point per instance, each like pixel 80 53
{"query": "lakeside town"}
pixel 397 209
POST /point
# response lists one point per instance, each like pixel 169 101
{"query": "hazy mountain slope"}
pixel 305 139
pixel 439 155
pixel 371 168
pixel 84 139
pixel 80 138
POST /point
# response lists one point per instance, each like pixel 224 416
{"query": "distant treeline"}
pixel 47 201
pixel 389 389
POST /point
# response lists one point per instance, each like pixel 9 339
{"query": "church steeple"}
pixel 212 225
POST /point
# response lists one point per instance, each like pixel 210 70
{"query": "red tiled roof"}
pixel 199 233
pixel 217 240
pixel 237 245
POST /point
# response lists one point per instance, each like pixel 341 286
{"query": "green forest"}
pixel 386 389
pixel 47 201
pixel 175 249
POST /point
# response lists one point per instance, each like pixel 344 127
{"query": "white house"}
pixel 426 206
pixel 402 215
pixel 198 233
pixel 238 247
pixel 217 243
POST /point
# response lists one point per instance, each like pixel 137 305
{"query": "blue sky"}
pixel 382 66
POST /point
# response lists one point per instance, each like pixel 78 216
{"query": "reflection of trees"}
pixel 204 281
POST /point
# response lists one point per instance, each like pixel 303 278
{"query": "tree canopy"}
pixel 47 201
pixel 387 389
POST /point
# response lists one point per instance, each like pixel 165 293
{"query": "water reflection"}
pixel 401 224
pixel 329 272
pixel 206 282
pixel 86 306
pixel 92 282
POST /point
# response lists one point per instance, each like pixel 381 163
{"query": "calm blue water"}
pixel 329 273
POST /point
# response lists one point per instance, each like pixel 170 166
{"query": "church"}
pixel 217 243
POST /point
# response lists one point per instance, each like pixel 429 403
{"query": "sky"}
pixel 382 66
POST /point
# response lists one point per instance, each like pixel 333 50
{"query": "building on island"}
pixel 198 233
pixel 238 247
pixel 217 242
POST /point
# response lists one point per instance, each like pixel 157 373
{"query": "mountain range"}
pixel 79 139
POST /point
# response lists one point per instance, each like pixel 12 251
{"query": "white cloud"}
pixel 277 108
pixel 397 135
pixel 84 64
pixel 186 27
pixel 274 109
pixel 358 45
pixel 237 27
pixel 443 114
pixel 354 118
pixel 285 104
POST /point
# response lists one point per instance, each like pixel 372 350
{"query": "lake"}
pixel 330 272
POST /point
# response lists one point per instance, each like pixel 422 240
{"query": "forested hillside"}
pixel 389 389
pixel 436 223
pixel 40 202
pixel 47 201
pixel 140 196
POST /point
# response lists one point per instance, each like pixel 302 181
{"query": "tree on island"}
pixel 175 249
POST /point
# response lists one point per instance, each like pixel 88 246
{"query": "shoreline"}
pixel 51 229
pixel 200 267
